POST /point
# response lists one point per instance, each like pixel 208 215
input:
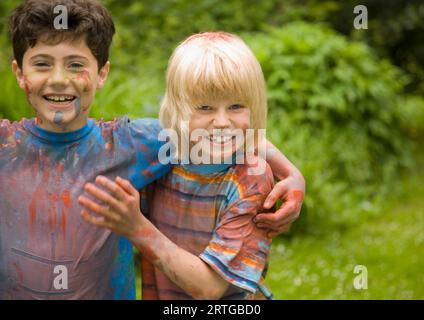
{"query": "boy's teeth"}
pixel 60 98
pixel 220 139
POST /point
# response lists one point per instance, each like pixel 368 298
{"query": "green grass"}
pixel 390 245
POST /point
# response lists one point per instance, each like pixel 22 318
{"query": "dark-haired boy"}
pixel 46 250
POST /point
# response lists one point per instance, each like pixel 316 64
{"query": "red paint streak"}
pixel 63 220
pixel 66 198
pixel 38 196
pixel 52 200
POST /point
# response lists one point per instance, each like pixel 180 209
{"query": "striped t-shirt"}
pixel 208 210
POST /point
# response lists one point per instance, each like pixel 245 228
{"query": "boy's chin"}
pixel 61 122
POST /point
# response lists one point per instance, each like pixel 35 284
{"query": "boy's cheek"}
pixel 27 85
pixel 29 91
pixel 83 82
pixel 83 104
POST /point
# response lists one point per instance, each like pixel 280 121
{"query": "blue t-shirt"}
pixel 46 250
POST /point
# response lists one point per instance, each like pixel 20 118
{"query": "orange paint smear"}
pixel 147 234
pixel 63 221
pixel 295 195
pixel 66 198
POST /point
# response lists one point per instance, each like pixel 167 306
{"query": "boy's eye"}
pixel 42 64
pixel 204 108
pixel 236 106
pixel 76 66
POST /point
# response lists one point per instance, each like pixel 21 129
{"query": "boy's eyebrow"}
pixel 75 56
pixel 45 56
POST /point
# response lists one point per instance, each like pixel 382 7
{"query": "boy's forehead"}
pixel 60 50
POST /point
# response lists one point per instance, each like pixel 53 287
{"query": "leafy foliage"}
pixel 333 108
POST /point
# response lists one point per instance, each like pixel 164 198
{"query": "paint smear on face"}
pixel 28 86
pixel 77 104
pixel 84 78
pixel 83 81
pixel 28 92
pixel 58 117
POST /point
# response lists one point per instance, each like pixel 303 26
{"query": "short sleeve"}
pixel 238 250
pixel 5 130
pixel 143 136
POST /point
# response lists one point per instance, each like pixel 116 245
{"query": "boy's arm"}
pixel 185 269
pixel 290 189
pixel 123 216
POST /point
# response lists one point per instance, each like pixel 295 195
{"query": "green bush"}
pixel 334 110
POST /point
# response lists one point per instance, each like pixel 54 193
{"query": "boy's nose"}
pixel 221 120
pixel 59 78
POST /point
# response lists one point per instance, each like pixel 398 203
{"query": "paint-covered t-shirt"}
pixel 208 210
pixel 46 250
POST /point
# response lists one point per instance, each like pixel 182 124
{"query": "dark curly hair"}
pixel 33 20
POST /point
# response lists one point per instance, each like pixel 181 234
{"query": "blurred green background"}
pixel 345 105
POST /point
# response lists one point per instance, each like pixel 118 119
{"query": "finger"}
pixel 127 186
pixel 274 219
pixel 96 208
pixel 97 221
pixel 269 226
pixel 114 188
pixel 287 213
pixel 276 193
pixel 103 196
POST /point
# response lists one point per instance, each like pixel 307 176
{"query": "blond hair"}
pixel 209 66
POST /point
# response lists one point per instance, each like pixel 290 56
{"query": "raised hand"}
pixel 120 208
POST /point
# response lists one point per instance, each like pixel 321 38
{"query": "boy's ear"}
pixel 19 74
pixel 103 73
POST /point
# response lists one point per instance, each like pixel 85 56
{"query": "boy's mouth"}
pixel 220 139
pixel 59 99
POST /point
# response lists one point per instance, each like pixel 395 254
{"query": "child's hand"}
pixel 291 190
pixel 121 210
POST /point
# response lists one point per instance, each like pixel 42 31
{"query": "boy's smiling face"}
pixel 219 121
pixel 60 82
